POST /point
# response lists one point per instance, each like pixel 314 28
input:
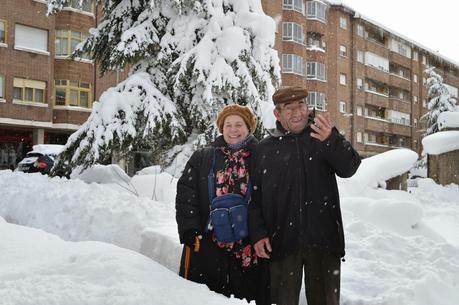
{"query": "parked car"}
pixel 40 159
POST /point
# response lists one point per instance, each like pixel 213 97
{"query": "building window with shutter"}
pixel 31 39
pixel 30 91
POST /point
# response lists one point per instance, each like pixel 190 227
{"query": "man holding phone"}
pixel 294 215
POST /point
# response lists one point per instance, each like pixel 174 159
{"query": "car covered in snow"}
pixel 40 159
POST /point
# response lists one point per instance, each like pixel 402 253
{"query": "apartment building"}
pixel 44 95
pixel 366 75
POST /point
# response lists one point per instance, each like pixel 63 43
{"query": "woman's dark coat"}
pixel 212 265
pixel 295 201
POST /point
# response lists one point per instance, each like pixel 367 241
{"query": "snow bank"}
pixel 448 119
pixel 374 171
pixel 441 142
pixel 103 174
pixel 40 268
pixel 77 211
pixel 401 247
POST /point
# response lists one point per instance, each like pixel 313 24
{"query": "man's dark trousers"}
pixel 322 278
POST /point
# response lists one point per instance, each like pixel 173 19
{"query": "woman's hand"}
pixel 263 248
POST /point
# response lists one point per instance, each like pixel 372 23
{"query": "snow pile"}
pixel 374 171
pixel 101 174
pixel 77 211
pixel 448 119
pixel 40 268
pixel 401 247
pixel 441 142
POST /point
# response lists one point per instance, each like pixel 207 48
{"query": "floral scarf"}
pixel 234 178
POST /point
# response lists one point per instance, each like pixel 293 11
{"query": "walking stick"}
pixel 197 245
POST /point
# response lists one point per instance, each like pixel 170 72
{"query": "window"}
pixel 297 5
pixel 342 51
pixel 315 40
pixel 359 137
pixel 73 93
pixel 415 55
pixel 359 83
pixel 377 61
pixel 292 63
pixel 30 38
pixel 452 90
pixel 315 70
pixel 85 6
pixel 316 10
pixel 415 122
pixel 317 100
pixel 343 22
pixel 424 60
pixel 359 110
pixel 400 48
pixel 342 107
pixel 2 87
pixel 360 57
pixel 398 117
pixel 342 79
pixel 2 31
pixel 67 41
pixel 27 90
pixel 360 30
pixel 415 78
pixel 415 99
pixel 292 31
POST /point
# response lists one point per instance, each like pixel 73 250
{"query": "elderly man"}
pixel 294 216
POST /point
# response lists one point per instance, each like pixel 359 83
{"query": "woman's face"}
pixel 234 129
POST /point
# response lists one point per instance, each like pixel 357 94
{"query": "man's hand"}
pixel 263 247
pixel 322 127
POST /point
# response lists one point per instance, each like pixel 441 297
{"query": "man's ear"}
pixel 276 113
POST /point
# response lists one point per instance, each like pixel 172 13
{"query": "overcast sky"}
pixel 433 24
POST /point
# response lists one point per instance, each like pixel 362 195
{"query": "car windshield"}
pixel 34 154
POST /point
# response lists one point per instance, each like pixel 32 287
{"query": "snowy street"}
pixel 82 240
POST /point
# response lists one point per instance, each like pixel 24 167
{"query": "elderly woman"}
pixel 212 195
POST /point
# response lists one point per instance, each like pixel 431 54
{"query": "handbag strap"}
pixel 211 181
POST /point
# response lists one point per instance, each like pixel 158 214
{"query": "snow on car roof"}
pixel 48 149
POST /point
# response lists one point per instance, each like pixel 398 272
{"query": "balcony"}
pixel 376 99
pixel 399 59
pixel 399 105
pixel 400 81
pixel 376 148
pixel 376 124
pixel 377 73
pixel 400 129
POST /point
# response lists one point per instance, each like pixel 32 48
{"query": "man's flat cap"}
pixel 289 94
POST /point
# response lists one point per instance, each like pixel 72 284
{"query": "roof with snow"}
pixel 448 119
pixel 441 142
pixel 392 32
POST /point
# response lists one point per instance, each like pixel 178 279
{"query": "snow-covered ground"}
pixel 82 240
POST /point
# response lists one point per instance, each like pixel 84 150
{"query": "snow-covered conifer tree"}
pixel 188 59
pixel 439 100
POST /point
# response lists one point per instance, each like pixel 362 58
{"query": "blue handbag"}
pixel 228 213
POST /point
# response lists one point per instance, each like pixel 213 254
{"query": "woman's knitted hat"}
pixel 243 111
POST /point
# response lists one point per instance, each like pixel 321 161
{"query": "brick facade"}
pixel 378 132
pixel 21 122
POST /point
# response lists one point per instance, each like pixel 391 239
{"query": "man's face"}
pixel 293 116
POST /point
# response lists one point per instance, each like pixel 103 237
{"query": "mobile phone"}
pixel 311 116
